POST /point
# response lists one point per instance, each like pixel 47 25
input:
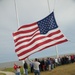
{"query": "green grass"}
pixel 9 69
pixel 60 70
pixel 12 70
pixel 2 74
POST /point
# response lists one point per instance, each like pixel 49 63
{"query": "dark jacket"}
pixel 25 65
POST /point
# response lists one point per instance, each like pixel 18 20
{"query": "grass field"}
pixel 2 74
pixel 60 70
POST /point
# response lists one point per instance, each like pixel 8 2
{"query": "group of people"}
pixel 36 64
pixel 25 66
pixel 44 64
pixel 48 64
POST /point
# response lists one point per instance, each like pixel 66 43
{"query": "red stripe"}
pixel 23 32
pixel 62 41
pixel 53 33
pixel 28 25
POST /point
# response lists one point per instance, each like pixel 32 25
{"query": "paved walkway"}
pixel 7 73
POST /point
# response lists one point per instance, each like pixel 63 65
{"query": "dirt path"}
pixel 7 73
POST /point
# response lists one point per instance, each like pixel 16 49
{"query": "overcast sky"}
pixel 30 11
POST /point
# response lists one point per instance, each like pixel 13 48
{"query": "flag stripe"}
pixel 28 26
pixel 22 32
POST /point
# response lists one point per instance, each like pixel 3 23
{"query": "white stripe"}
pixel 52 31
pixel 28 28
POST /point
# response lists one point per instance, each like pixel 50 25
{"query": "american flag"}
pixel 37 36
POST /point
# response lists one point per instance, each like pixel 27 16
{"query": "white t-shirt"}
pixel 56 60
pixel 36 65
pixel 18 69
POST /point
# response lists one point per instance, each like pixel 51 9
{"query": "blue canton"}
pixel 47 24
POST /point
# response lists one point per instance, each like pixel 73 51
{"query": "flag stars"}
pixel 47 24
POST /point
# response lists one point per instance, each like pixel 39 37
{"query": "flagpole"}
pixel 56 48
pixel 16 11
pixel 17 19
pixel 48 5
pixel 49 12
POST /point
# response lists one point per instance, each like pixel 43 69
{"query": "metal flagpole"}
pixel 56 48
pixel 17 19
pixel 48 5
pixel 16 11
pixel 57 55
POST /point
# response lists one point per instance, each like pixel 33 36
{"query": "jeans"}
pixel 36 72
pixel 18 73
pixel 26 71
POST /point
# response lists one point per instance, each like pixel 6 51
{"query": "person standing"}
pixel 31 66
pixel 26 68
pixel 36 67
pixel 17 69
